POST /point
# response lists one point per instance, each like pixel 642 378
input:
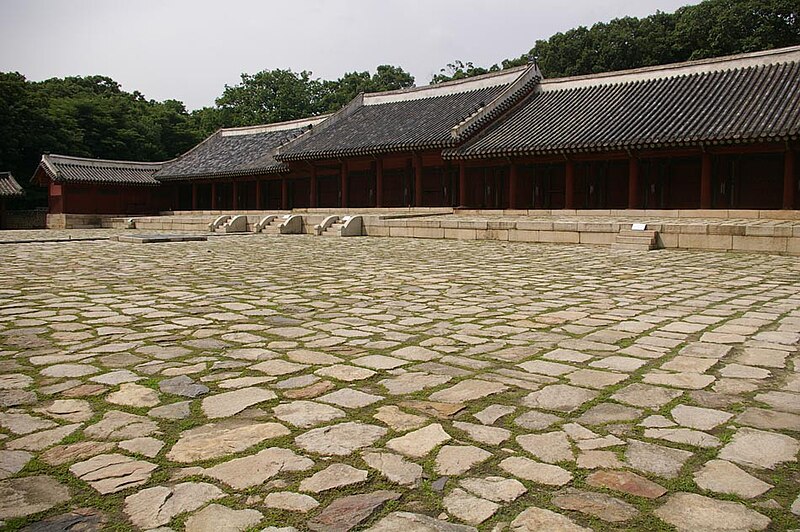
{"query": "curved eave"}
pixel 361 151
pixel 266 170
pixel 645 144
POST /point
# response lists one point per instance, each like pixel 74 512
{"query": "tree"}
pixel 386 78
pixel 460 70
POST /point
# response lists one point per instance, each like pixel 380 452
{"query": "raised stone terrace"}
pixel 296 383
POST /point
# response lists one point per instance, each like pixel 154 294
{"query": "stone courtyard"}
pixel 290 382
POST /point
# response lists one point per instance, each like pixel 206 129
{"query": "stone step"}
pixel 632 246
pixel 636 240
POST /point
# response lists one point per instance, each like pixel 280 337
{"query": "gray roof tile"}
pixel 9 186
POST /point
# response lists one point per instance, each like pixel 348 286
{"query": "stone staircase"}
pixel 644 240
pixel 340 226
pixel 335 229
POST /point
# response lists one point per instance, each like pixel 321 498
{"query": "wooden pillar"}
pixel 705 181
pixel 462 185
pixel 343 188
pixel 194 196
pixel 258 194
pixel 312 200
pixel 633 183
pixel 213 196
pixel 235 189
pixel 569 184
pixel 379 182
pixel 175 197
pixel 789 181
pixel 284 194
pixel 513 187
pixel 417 180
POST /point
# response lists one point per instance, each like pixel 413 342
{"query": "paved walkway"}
pixel 246 383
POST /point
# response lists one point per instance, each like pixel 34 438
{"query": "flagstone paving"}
pixel 295 383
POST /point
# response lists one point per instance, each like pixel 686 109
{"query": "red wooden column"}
pixel 379 182
pixel 312 200
pixel 789 184
pixel 417 180
pixel 258 194
pixel 462 185
pixel 284 194
pixel 343 189
pixel 633 183
pixel 194 196
pixel 569 184
pixel 705 182
pixel 513 187
pixel 235 189
pixel 213 196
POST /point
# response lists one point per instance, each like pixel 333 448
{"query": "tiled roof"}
pixel 745 98
pixel 66 169
pixel 237 151
pixel 9 186
pixel 411 119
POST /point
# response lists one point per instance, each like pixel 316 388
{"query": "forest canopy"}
pixel 92 116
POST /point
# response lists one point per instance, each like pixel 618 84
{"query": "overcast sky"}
pixel 189 49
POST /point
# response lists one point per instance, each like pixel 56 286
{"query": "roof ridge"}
pixel 54 157
pixel 670 70
pixel 274 126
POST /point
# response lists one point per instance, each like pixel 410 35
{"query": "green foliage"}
pixel 460 70
pixel 709 29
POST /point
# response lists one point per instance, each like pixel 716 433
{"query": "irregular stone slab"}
pixel 419 442
pixel 492 413
pixel 706 350
pixel 333 476
pixel 183 386
pixel 689 512
pixel 21 423
pixel 117 425
pixel 14 381
pixel 218 518
pixel 78 520
pixel 293 502
pixel 599 505
pixel 687 436
pixel 761 449
pixel 432 408
pixel 278 367
pixel 379 362
pixel 72 410
pixel 560 397
pixel 646 396
pixel 399 420
pixel 221 439
pixel 341 439
pixel 242 473
pixel 110 473
pixel 343 372
pixel 699 418
pixel 10 398
pixel 458 459
pixel 309 392
pixel 69 370
pixel 30 495
pixel 468 508
pixel 415 352
pixel 305 414
pixel 230 403
pixel 154 507
pixel 468 390
pixel 349 398
pixel 592 378
pixel 543 367
pixel 740 371
pixel 345 513
pixel 535 420
pixel 688 381
pixel 12 462
pixel 483 434
pixel 784 401
pixel 656 459
pixel 61 454
pixel 413 382
pixel 761 418
pixel 607 413
pixel 135 395
pixel 551 447
pixel 115 378
pixel 538 519
pixel 146 446
pixel 395 468
pixel 42 440
pixel 626 482
pixel 723 477
pixel 180 410
pixel 550 475
pixel 497 489
pixel 409 522
pixel 599 460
